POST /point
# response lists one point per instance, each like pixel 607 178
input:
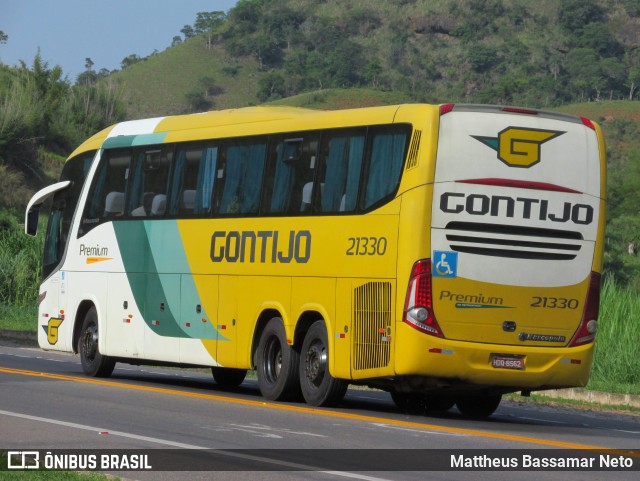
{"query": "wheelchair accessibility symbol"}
pixel 445 264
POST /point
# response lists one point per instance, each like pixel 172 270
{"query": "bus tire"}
pixel 319 388
pixel 478 406
pixel 277 364
pixel 422 403
pixel 409 402
pixel 228 377
pixel 94 364
pixel 438 403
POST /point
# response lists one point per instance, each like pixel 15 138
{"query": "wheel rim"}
pixel 90 343
pixel 315 363
pixel 273 360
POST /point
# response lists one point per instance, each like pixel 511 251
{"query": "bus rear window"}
pixel 388 151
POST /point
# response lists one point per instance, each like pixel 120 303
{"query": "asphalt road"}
pixel 46 402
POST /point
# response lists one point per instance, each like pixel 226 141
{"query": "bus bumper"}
pixel 447 363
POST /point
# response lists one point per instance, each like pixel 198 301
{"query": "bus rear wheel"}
pixel 277 364
pixel 439 402
pixel 478 406
pixel 409 402
pixel 228 377
pixel 94 364
pixel 422 403
pixel 319 387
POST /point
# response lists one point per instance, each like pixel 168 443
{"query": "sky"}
pixel 107 31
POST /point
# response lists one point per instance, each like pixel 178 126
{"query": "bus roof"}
pixel 225 123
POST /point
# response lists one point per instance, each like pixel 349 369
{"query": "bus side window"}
pixel 339 172
pixel 386 158
pixel 147 192
pixel 194 180
pixel 289 183
pixel 241 177
pixel 107 192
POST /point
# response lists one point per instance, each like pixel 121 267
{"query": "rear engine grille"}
pixel 516 242
pixel 372 319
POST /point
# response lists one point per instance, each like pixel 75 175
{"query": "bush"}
pixel 20 264
pixel 616 358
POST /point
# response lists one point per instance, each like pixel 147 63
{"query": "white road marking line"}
pixel 97 430
pixel 542 420
pixel 37 357
pixel 269 428
pixel 417 431
pixel 175 444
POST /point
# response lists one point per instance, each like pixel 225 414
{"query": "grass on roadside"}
pixel 570 403
pixel 616 364
pixel 19 318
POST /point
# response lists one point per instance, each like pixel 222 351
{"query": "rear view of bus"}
pixel 508 300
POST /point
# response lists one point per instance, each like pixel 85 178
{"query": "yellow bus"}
pixel 447 254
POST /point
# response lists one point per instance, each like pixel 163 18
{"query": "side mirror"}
pixel 33 208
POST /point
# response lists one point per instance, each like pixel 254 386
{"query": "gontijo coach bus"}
pixel 446 254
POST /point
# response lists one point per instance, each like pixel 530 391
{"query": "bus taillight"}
pixel 446 108
pixel 588 123
pixel 418 308
pixel 586 332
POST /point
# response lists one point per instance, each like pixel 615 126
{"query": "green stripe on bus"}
pixel 133 140
pixel 160 279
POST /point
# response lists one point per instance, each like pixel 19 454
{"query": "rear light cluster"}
pixel 418 308
pixel 588 123
pixel 586 332
pixel 446 108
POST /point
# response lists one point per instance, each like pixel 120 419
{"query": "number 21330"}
pixel 367 246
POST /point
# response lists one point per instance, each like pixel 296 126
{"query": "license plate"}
pixel 500 361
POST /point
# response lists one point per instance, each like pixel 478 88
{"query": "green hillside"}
pixel 537 54
pixel 163 83
pixel 577 56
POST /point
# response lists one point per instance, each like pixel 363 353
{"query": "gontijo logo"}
pixel 519 146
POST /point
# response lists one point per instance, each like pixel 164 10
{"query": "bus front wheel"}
pixel 319 388
pixel 94 364
pixel 277 364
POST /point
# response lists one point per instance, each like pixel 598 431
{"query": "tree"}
pixel 282 25
pixel 576 14
pixel 633 80
pixel 130 60
pixel 483 57
pixel 265 50
pixel 598 37
pixel 271 86
pixel 372 73
pixel 208 23
pixel 198 101
pixel 3 37
pixel 583 66
pixel 632 60
pixel 246 16
pixel 176 40
pixel 188 31
pixel 345 64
